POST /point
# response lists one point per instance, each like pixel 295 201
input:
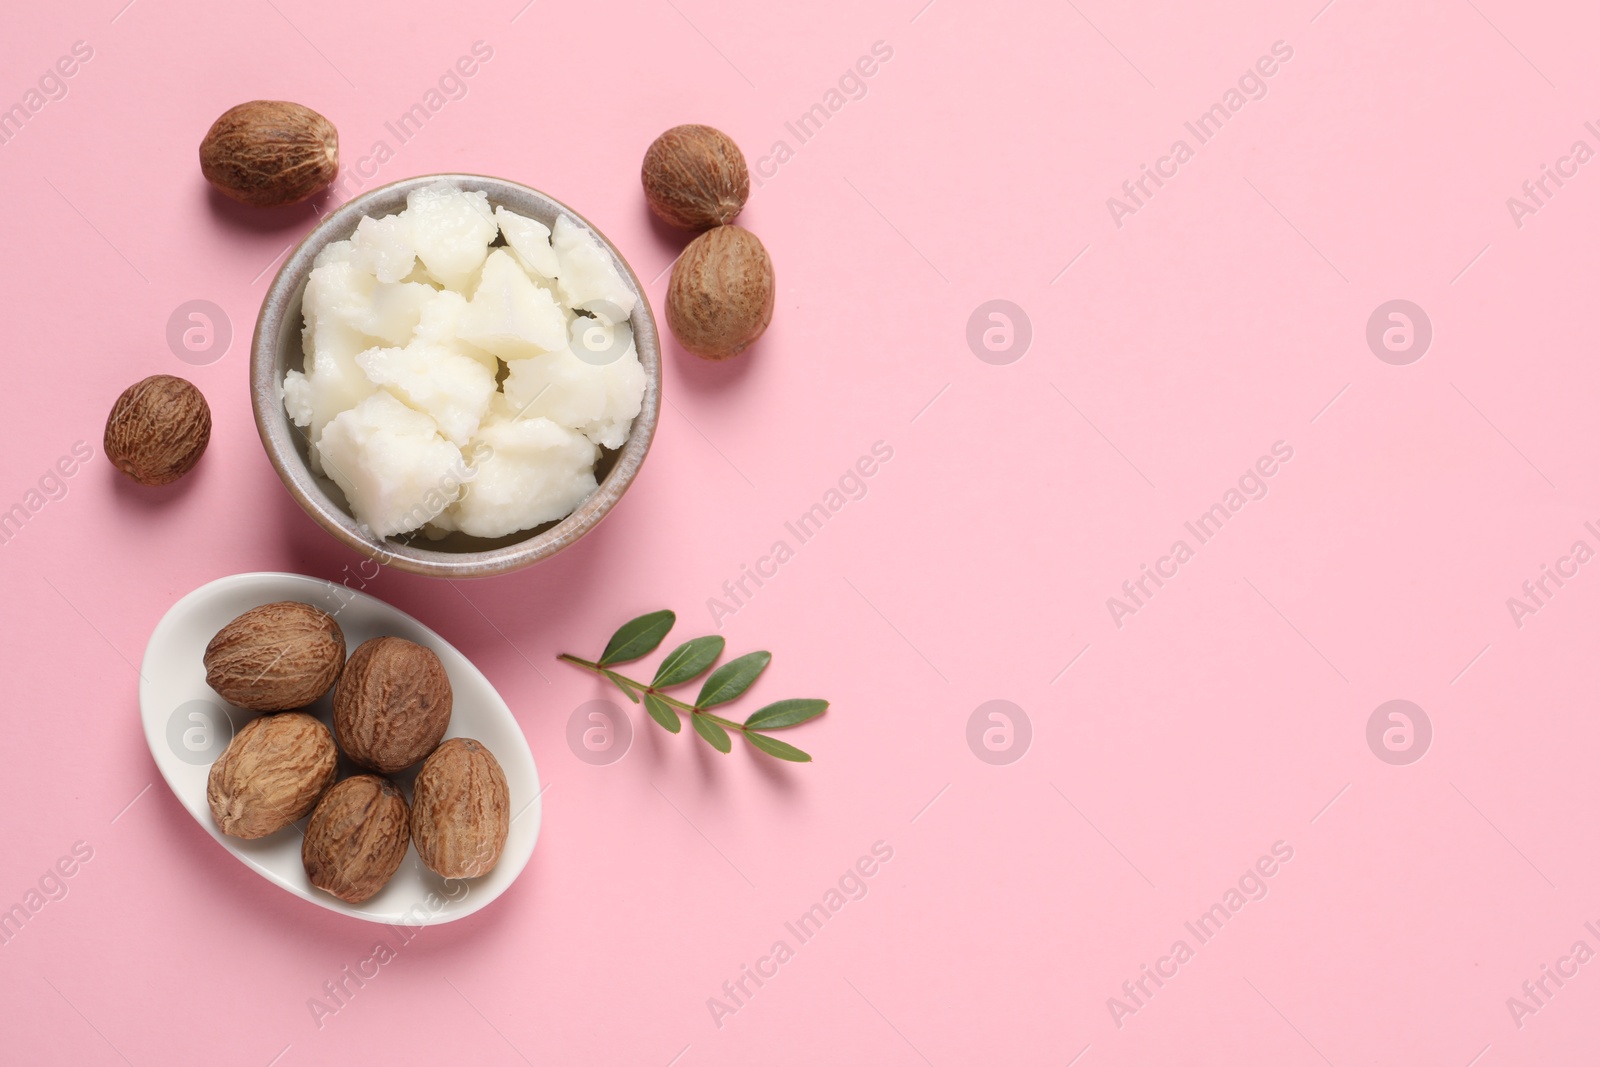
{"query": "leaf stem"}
pixel 595 668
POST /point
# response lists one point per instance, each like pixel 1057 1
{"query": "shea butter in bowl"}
pixel 456 375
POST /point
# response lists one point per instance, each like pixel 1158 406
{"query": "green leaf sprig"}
pixel 640 637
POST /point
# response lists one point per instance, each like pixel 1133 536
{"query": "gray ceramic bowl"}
pixel 276 350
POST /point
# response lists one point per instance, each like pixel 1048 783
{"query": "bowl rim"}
pixel 275 428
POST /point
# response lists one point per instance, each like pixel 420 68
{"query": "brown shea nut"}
pixel 695 177
pixel 720 298
pixel 460 810
pixel 271 774
pixel 392 704
pixel 268 153
pixel 275 657
pixel 356 838
pixel 158 429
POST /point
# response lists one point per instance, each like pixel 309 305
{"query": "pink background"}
pixel 1230 713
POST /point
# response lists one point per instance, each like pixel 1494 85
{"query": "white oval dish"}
pixel 187 726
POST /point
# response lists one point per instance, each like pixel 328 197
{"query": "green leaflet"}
pixel 688 661
pixel 662 712
pixel 786 713
pixel 715 735
pixel 773 747
pixel 638 637
pixel 731 679
pixel 623 684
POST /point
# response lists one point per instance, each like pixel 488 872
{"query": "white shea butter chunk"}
pixel 343 293
pixel 441 325
pixel 333 380
pixel 420 275
pixel 382 248
pixel 450 231
pixel 509 315
pixel 589 279
pixel 326 336
pixel 530 242
pixel 334 252
pixel 337 384
pixel 395 310
pixel 394 468
pixel 454 390
pixel 531 472
pixel 297 398
pixel 336 292
pixel 599 401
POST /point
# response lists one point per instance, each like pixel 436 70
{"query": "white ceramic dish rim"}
pixel 280 585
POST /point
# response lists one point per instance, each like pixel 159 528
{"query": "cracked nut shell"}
pixel 460 810
pixel 158 429
pixel 392 705
pixel 695 177
pixel 276 657
pixel 271 774
pixel 356 838
pixel 268 153
pixel 720 298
